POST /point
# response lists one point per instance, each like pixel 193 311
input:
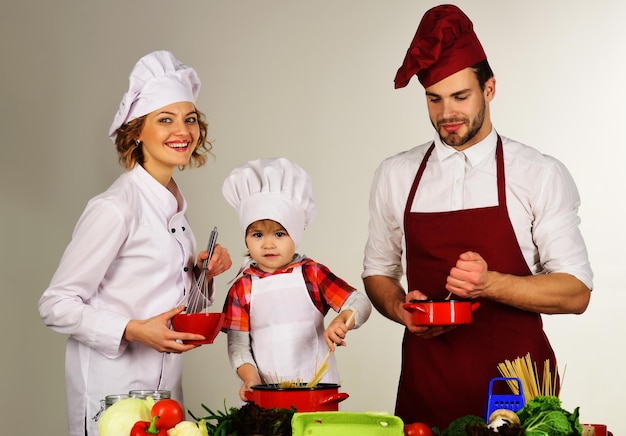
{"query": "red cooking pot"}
pixel 441 312
pixel 324 397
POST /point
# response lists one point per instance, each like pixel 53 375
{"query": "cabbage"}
pixel 119 418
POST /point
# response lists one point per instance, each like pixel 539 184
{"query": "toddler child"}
pixel 275 309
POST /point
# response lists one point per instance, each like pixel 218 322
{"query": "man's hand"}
pixel 540 293
pixel 469 277
pixel 422 331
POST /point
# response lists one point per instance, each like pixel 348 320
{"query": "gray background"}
pixel 311 81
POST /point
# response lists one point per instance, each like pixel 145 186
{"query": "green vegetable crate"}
pixel 504 401
pixel 343 423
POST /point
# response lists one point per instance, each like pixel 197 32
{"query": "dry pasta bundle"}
pixel 283 384
pixel 298 383
pixel 321 371
pixel 526 371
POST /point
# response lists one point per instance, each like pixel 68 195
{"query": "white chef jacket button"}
pixel 183 228
pixel 173 230
pixel 185 269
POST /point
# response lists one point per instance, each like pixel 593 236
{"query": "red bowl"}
pixel 205 324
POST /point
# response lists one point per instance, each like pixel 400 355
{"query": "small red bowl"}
pixel 205 324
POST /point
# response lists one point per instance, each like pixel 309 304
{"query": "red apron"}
pixel 447 377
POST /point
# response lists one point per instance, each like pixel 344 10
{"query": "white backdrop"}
pixel 311 81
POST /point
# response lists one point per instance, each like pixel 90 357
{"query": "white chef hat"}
pixel 158 79
pixel 275 189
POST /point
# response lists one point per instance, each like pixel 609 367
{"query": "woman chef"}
pixel 130 262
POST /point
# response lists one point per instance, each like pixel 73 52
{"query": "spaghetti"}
pixel 524 369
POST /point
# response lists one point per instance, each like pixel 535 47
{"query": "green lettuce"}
pixel 544 416
pixel 548 423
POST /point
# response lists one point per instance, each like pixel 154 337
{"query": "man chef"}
pixel 475 214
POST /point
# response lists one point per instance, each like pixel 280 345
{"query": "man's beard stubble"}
pixel 453 139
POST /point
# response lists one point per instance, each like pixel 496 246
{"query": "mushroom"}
pixel 501 417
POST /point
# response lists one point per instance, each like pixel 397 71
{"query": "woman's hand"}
pixel 219 262
pixel 155 333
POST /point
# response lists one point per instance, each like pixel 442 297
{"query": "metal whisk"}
pixel 199 297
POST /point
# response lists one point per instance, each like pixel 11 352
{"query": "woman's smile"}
pixel 178 146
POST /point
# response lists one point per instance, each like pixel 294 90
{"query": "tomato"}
pixel 417 429
pixel 170 413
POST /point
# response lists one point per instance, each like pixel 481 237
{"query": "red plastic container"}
pixel 442 312
pixel 325 397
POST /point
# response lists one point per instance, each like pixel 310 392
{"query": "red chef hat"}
pixel 445 43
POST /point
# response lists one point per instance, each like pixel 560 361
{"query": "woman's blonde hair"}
pixel 130 153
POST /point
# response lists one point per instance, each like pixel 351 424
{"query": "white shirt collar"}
pixel 161 196
pixel 474 154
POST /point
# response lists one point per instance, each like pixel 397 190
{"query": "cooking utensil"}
pixel 321 371
pixel 323 368
pixel 323 397
pixel 595 430
pixel 346 423
pixel 513 401
pixel 441 312
pixel 205 324
pixel 198 297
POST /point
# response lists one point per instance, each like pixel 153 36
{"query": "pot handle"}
pixel 475 305
pixel 414 307
pixel 249 396
pixel 334 398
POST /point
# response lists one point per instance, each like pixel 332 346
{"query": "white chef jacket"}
pixel 542 201
pixel 131 257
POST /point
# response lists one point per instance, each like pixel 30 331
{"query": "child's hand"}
pixel 246 386
pixel 338 328
pixel 249 377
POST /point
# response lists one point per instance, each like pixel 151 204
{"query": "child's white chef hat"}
pixel 158 79
pixel 275 189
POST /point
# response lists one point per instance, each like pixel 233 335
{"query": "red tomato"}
pixel 170 413
pixel 417 429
